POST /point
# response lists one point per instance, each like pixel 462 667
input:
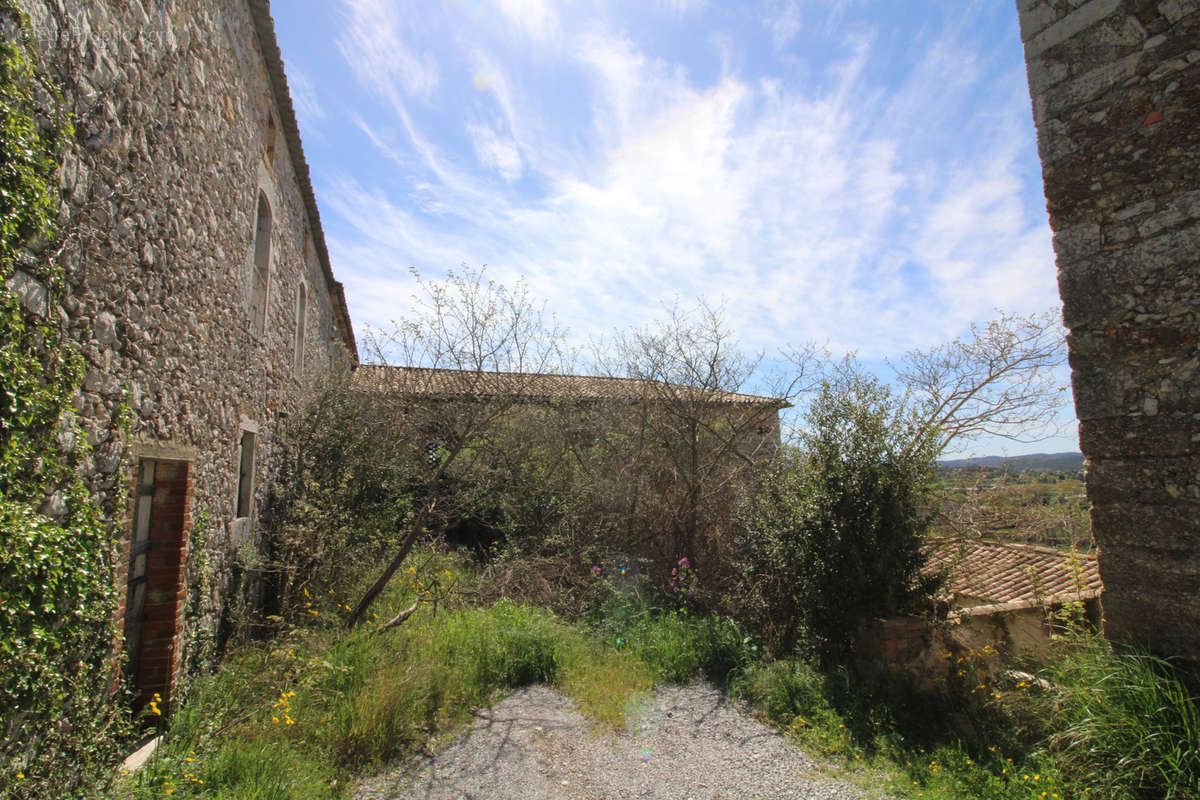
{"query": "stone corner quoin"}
pixel 1115 86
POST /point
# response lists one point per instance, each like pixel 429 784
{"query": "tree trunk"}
pixel 376 588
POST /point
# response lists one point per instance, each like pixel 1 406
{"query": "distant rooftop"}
pixel 987 573
pixel 451 383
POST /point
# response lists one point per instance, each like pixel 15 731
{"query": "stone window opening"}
pixel 301 324
pixel 269 140
pixel 245 492
pixel 261 277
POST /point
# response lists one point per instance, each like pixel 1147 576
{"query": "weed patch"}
pixel 302 716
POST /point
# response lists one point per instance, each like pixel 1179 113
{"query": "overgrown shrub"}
pixel 680 647
pixel 677 644
pixel 793 696
pixel 834 536
pixel 339 503
pixel 60 719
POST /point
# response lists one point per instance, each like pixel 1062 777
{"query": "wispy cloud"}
pixel 496 151
pixel 376 50
pixel 304 97
pixel 838 209
pixel 536 18
pixel 783 22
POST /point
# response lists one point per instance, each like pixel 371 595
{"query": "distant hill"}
pixel 1034 461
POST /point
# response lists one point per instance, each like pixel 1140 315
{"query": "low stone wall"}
pixel 991 637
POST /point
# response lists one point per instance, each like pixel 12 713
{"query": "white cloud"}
pixel 536 18
pixel 374 46
pixel 813 211
pixel 496 151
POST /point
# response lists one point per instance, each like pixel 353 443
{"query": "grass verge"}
pixel 1109 725
pixel 307 714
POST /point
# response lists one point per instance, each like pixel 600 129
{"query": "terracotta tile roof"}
pixel 447 383
pixel 986 573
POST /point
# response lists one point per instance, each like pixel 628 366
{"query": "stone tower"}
pixel 1116 98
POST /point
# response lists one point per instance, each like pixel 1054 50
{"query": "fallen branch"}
pixel 403 615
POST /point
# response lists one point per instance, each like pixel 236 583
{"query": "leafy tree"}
pixel 834 537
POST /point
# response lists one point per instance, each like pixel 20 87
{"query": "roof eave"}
pixel 264 26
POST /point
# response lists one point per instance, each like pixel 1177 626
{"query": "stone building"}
pixel 1116 99
pixel 200 291
pixel 754 418
pixel 745 428
pixel 657 466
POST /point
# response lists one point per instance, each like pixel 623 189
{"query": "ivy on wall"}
pixel 61 720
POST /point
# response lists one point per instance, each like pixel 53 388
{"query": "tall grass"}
pixel 676 644
pixel 1112 725
pixel 680 647
pixel 794 697
pixel 302 716
pixel 426 678
pixel 1124 724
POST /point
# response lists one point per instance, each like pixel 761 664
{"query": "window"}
pixel 262 266
pixel 245 495
pixel 301 322
pixel 269 140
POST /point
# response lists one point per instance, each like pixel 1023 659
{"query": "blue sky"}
pixel 860 174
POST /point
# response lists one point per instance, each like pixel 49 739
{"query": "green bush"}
pixel 834 538
pixel 679 646
pixel 791 694
pixel 341 501
pixel 504 646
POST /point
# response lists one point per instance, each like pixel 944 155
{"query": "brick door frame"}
pixel 154 558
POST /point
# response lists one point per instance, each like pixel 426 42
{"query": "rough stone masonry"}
pixel 1116 99
pixel 200 292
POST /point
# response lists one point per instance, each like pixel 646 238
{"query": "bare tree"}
pixel 1001 380
pixel 695 435
pixel 467 353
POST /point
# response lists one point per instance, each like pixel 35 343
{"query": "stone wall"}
pixel 1116 98
pixel 182 121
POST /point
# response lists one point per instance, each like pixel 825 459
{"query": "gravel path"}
pixel 684 743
